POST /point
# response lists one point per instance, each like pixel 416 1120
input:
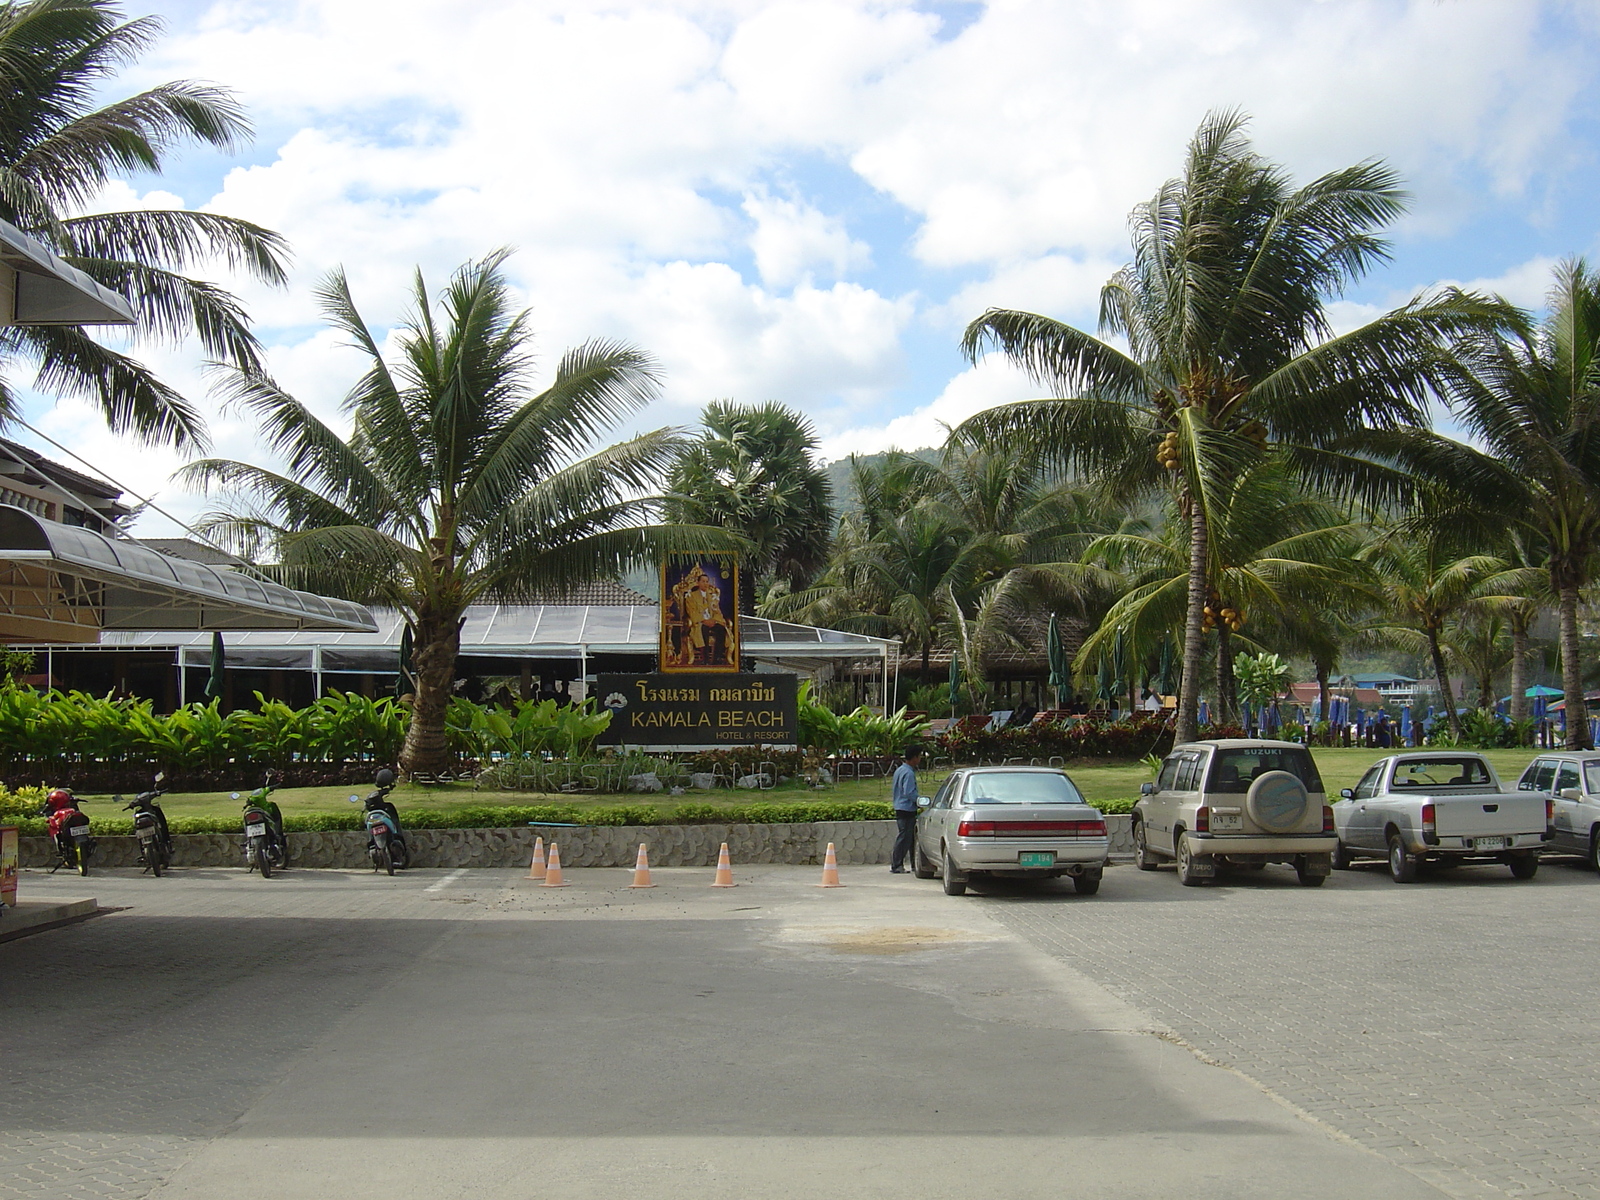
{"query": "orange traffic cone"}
pixel 724 869
pixel 536 867
pixel 552 873
pixel 641 869
pixel 830 869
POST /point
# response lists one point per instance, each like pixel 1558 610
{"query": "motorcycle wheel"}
pixel 83 862
pixel 156 854
pixel 381 860
pixel 264 861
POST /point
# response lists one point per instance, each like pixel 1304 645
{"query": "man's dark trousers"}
pixel 908 834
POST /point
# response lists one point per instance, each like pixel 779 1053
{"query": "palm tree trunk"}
pixel 1227 685
pixel 1572 668
pixel 1519 666
pixel 1194 638
pixel 1443 676
pixel 438 641
pixel 1324 671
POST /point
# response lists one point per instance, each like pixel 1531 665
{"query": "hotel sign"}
pixel 698 710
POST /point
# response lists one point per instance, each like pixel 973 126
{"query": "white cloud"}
pixel 792 240
pixel 992 382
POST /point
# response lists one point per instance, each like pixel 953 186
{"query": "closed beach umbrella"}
pixel 955 682
pixel 1167 670
pixel 402 681
pixel 1060 665
pixel 219 660
pixel 1405 723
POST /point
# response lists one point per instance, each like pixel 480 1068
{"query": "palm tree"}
pixel 1429 583
pixel 1480 643
pixel 1533 403
pixel 1231 358
pixel 1275 553
pixel 458 483
pixel 57 148
pixel 753 471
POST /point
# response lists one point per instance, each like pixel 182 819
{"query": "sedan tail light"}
pixel 1090 828
pixel 1429 823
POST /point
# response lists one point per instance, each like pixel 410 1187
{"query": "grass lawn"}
pixel 1340 768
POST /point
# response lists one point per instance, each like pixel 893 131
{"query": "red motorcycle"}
pixel 68 828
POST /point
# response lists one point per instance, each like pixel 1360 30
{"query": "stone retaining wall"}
pixel 857 843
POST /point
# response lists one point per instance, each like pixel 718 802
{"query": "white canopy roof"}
pixel 132 587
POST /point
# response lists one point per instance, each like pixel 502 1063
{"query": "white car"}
pixel 1572 784
pixel 1013 823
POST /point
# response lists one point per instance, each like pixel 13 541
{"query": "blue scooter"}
pixel 386 842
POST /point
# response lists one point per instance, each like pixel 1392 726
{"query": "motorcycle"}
pixel 150 827
pixel 386 842
pixel 265 846
pixel 68 828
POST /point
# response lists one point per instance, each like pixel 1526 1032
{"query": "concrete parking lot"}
pixel 464 1034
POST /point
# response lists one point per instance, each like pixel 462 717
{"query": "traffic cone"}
pixel 552 872
pixel 536 868
pixel 724 869
pixel 641 869
pixel 830 869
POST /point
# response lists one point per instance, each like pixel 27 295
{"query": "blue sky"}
pixel 806 202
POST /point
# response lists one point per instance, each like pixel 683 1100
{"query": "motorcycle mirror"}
pixel 236 796
pixel 355 799
pixel 161 776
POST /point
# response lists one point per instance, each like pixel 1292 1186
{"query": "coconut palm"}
pixel 1428 583
pixel 754 471
pixel 1274 553
pixel 458 483
pixel 1231 357
pixel 1533 404
pixel 58 147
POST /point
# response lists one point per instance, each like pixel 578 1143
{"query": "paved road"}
pixel 456 1034
pixel 1449 1025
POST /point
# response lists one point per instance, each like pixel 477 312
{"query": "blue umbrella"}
pixel 1205 713
pixel 1405 723
pixel 1540 706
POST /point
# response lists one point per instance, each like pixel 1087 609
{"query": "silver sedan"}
pixel 1011 822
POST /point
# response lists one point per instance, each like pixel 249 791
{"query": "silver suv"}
pixel 1235 803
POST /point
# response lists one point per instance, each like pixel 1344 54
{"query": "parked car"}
pixel 1012 823
pixel 1572 783
pixel 1235 804
pixel 1445 807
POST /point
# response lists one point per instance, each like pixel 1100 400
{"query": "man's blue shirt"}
pixel 904 789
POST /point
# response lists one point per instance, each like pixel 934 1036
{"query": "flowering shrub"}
pixel 1142 734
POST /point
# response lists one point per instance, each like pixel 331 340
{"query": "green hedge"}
pixel 486 816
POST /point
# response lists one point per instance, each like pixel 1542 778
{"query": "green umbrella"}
pixel 1105 684
pixel 402 681
pixel 1120 681
pixel 1060 664
pixel 218 662
pixel 955 682
pixel 1167 671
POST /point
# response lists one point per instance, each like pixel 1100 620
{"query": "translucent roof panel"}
pixel 146 589
pixel 559 630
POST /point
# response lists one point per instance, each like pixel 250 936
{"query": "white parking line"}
pixel 446 881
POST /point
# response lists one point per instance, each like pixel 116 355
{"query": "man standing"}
pixel 904 794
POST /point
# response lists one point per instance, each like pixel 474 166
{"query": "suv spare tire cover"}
pixel 1277 801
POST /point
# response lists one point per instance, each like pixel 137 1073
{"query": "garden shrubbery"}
pixel 1129 740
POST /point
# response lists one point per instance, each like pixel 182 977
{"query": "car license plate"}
pixel 80 831
pixel 1037 858
pixel 1489 843
pixel 1222 821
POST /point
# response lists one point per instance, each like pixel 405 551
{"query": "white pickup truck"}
pixel 1441 807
